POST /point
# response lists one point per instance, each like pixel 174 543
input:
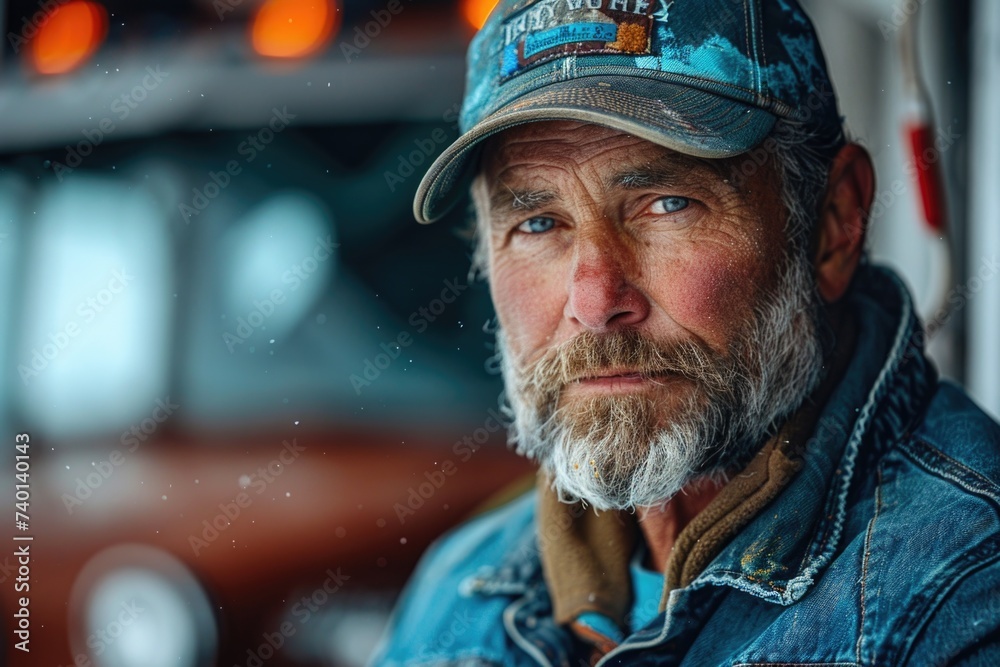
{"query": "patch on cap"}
pixel 549 29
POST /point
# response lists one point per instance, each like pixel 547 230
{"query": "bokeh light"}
pixel 69 36
pixel 294 28
pixel 477 11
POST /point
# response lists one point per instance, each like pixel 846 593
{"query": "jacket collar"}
pixel 780 555
pixel 782 552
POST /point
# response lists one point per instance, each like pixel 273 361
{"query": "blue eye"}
pixel 537 225
pixel 670 205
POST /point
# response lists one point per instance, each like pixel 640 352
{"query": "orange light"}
pixel 69 36
pixel 294 28
pixel 477 11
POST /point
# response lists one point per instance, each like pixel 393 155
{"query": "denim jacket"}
pixel 883 550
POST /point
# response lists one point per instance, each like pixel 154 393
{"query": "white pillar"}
pixel 983 352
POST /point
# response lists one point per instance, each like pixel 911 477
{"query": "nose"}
pixel 602 295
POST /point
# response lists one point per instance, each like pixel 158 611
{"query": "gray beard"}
pixel 619 451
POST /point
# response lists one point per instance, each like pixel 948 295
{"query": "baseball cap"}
pixel 707 78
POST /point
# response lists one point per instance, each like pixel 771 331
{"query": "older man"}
pixel 745 457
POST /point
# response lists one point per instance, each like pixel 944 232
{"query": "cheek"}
pixel 528 305
pixel 711 296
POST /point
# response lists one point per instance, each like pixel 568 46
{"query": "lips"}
pixel 612 376
pixel 623 376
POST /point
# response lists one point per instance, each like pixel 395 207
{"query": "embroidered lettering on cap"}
pixel 549 29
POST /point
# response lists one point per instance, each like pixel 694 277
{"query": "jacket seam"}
pixel 865 563
pixel 985 488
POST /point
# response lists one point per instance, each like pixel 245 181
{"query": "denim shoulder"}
pixel 938 510
pixel 439 619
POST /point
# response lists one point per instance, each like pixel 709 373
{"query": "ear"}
pixel 842 220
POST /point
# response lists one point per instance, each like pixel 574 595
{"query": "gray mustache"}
pixel 589 354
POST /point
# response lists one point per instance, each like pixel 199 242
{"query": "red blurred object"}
pixel 930 180
pixel 68 37
pixel 919 129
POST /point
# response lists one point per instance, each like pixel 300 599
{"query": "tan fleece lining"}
pixel 585 557
pixel 738 502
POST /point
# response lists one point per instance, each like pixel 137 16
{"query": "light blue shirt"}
pixel 647 589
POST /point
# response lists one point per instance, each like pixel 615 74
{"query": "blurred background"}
pixel 255 388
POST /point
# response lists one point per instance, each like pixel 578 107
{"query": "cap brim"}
pixel 675 116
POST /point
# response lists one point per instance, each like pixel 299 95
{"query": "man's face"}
pixel 653 322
